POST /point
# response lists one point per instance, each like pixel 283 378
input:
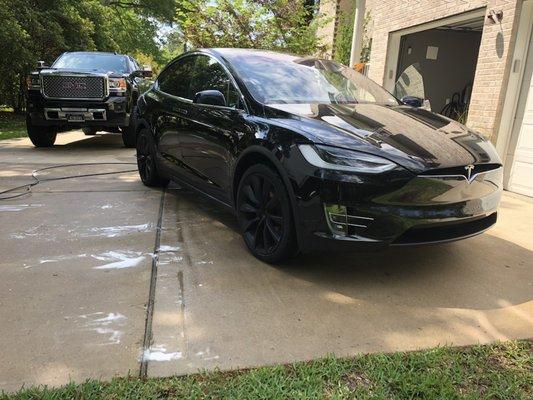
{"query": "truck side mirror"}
pixel 41 64
pixel 147 71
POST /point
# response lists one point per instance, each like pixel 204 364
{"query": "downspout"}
pixel 357 38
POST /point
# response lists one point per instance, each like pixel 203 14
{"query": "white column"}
pixel 357 38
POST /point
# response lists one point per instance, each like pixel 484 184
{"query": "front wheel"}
pixel 265 216
pixel 40 136
pixel 146 163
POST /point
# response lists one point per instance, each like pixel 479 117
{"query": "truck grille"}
pixel 73 87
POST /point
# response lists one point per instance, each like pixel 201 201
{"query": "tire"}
pixel 146 163
pixel 129 133
pixel 265 215
pixel 89 131
pixel 40 136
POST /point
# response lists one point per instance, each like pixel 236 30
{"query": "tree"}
pixel 33 30
pixel 268 24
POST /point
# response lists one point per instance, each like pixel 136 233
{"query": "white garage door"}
pixel 521 177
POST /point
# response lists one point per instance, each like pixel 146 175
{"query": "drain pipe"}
pixel 357 38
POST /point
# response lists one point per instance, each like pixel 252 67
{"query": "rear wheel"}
pixel 264 213
pixel 129 133
pixel 89 131
pixel 148 171
pixel 40 136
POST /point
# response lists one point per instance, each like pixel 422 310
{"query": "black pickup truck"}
pixel 92 91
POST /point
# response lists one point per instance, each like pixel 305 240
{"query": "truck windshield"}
pixel 93 62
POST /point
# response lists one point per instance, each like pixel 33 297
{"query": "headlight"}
pixel 33 82
pixel 345 160
pixel 117 84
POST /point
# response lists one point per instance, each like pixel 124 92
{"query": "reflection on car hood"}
pixel 414 138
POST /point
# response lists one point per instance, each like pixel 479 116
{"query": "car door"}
pixel 172 118
pixel 209 147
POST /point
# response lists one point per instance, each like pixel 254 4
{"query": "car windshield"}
pixel 93 62
pixel 282 79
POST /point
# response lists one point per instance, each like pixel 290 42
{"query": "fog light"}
pixel 337 219
pixel 342 222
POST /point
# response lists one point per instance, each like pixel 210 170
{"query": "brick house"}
pixel 475 53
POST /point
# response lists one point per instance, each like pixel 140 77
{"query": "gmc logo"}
pixel 74 85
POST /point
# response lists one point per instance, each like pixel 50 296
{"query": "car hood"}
pixel 81 72
pixel 414 138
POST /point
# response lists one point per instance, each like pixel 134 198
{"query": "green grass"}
pixel 498 371
pixel 11 125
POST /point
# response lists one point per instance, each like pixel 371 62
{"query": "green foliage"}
pixel 11 125
pixel 33 30
pixel 343 40
pixel 288 25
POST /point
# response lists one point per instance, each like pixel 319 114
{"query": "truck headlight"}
pixel 117 84
pixel 33 82
pixel 335 158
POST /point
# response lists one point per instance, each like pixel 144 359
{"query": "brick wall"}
pixel 494 54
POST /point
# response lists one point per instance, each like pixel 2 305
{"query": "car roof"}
pixel 234 53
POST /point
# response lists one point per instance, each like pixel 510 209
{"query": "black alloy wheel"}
pixel 264 213
pixel 146 160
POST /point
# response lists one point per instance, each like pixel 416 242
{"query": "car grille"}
pixel 74 87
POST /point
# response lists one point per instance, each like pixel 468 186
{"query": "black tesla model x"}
pixel 311 154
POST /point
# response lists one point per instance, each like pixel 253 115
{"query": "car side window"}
pixel 175 80
pixel 208 74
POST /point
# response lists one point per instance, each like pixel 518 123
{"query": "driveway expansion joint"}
pixel 148 334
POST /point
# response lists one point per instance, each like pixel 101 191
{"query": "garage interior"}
pixel 438 65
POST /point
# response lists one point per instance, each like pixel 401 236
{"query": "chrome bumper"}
pixel 75 114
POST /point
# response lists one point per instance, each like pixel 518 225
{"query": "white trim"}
pixel 393 47
pixel 514 86
pixel 357 37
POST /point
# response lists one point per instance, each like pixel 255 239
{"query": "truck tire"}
pixel 89 131
pixel 129 133
pixel 40 136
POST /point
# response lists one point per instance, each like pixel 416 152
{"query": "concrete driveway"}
pixel 98 280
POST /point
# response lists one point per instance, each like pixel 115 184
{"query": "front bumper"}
pixel 345 210
pixel 112 112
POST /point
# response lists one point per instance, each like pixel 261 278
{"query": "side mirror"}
pixel 41 64
pixel 145 72
pixel 413 101
pixel 211 97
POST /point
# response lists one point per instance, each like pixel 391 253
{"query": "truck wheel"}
pixel 40 136
pixel 129 134
pixel 89 131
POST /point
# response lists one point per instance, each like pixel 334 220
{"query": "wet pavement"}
pixel 78 274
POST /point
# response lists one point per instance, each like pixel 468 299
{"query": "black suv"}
pixel 92 91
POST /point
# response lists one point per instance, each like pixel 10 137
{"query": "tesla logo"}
pixel 469 169
pixel 74 85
